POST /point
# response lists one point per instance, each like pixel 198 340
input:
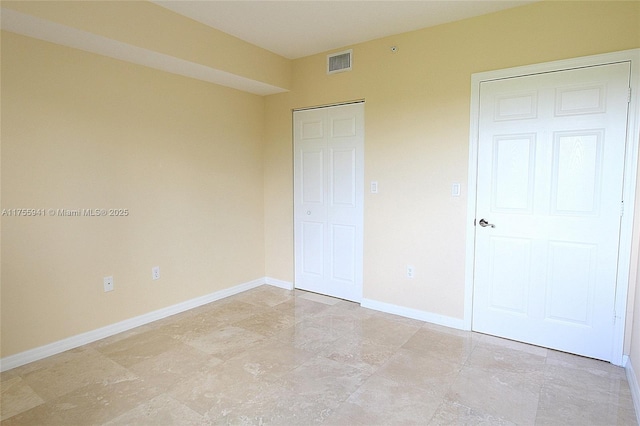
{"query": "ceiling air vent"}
pixel 339 62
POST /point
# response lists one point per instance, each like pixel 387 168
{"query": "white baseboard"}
pixel 633 385
pixel 72 342
pixel 279 283
pixel 413 313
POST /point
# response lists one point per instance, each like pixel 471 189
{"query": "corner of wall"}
pixel 634 386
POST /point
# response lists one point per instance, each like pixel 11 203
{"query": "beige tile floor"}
pixel 271 356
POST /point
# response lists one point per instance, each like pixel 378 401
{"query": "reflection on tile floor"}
pixel 272 356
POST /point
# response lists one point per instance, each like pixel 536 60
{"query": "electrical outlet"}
pixel 108 284
pixel 409 271
pixel 155 273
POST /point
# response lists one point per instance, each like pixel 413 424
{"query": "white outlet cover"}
pixel 155 273
pixel 410 271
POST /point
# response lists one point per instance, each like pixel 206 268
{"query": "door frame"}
pixel 629 242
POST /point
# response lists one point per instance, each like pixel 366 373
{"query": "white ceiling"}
pixel 294 29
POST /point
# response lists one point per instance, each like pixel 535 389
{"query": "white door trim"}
pixel 630 176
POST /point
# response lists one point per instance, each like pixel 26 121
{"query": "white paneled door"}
pixel 328 200
pixel 551 152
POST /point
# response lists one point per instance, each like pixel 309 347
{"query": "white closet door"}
pixel 328 200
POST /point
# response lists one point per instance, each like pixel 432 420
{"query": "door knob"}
pixel 484 223
pixel 308 212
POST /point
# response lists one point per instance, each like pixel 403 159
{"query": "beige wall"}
pixel 206 172
pixel 85 131
pixel 417 136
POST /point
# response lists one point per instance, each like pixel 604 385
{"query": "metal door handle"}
pixel 484 223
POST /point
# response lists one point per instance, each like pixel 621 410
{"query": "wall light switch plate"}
pixel 455 190
pixel 108 284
